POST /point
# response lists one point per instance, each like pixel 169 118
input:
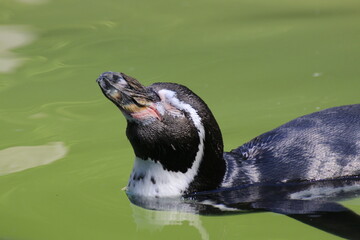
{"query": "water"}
pixel 257 64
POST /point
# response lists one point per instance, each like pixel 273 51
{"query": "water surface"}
pixel 257 64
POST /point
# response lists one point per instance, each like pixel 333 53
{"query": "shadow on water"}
pixel 313 203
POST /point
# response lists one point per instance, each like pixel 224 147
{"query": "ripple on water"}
pixel 33 1
pixel 16 159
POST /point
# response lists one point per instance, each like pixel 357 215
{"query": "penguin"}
pixel 178 144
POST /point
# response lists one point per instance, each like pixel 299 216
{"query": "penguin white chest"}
pixel 150 179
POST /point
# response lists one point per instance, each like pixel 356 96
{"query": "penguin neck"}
pixel 150 178
pixel 210 174
pixel 212 168
pixel 154 177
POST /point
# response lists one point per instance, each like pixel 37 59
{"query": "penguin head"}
pixel 167 124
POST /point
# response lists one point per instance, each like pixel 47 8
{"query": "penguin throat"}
pixel 150 179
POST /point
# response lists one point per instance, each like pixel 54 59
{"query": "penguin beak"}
pixel 129 95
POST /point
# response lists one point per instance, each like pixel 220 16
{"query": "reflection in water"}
pixel 156 220
pixel 313 203
pixel 15 159
pixel 10 38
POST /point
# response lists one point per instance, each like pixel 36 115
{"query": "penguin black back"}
pixel 321 145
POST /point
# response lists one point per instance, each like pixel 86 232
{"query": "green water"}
pixel 64 156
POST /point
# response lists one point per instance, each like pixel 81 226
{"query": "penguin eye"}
pixel 141 101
